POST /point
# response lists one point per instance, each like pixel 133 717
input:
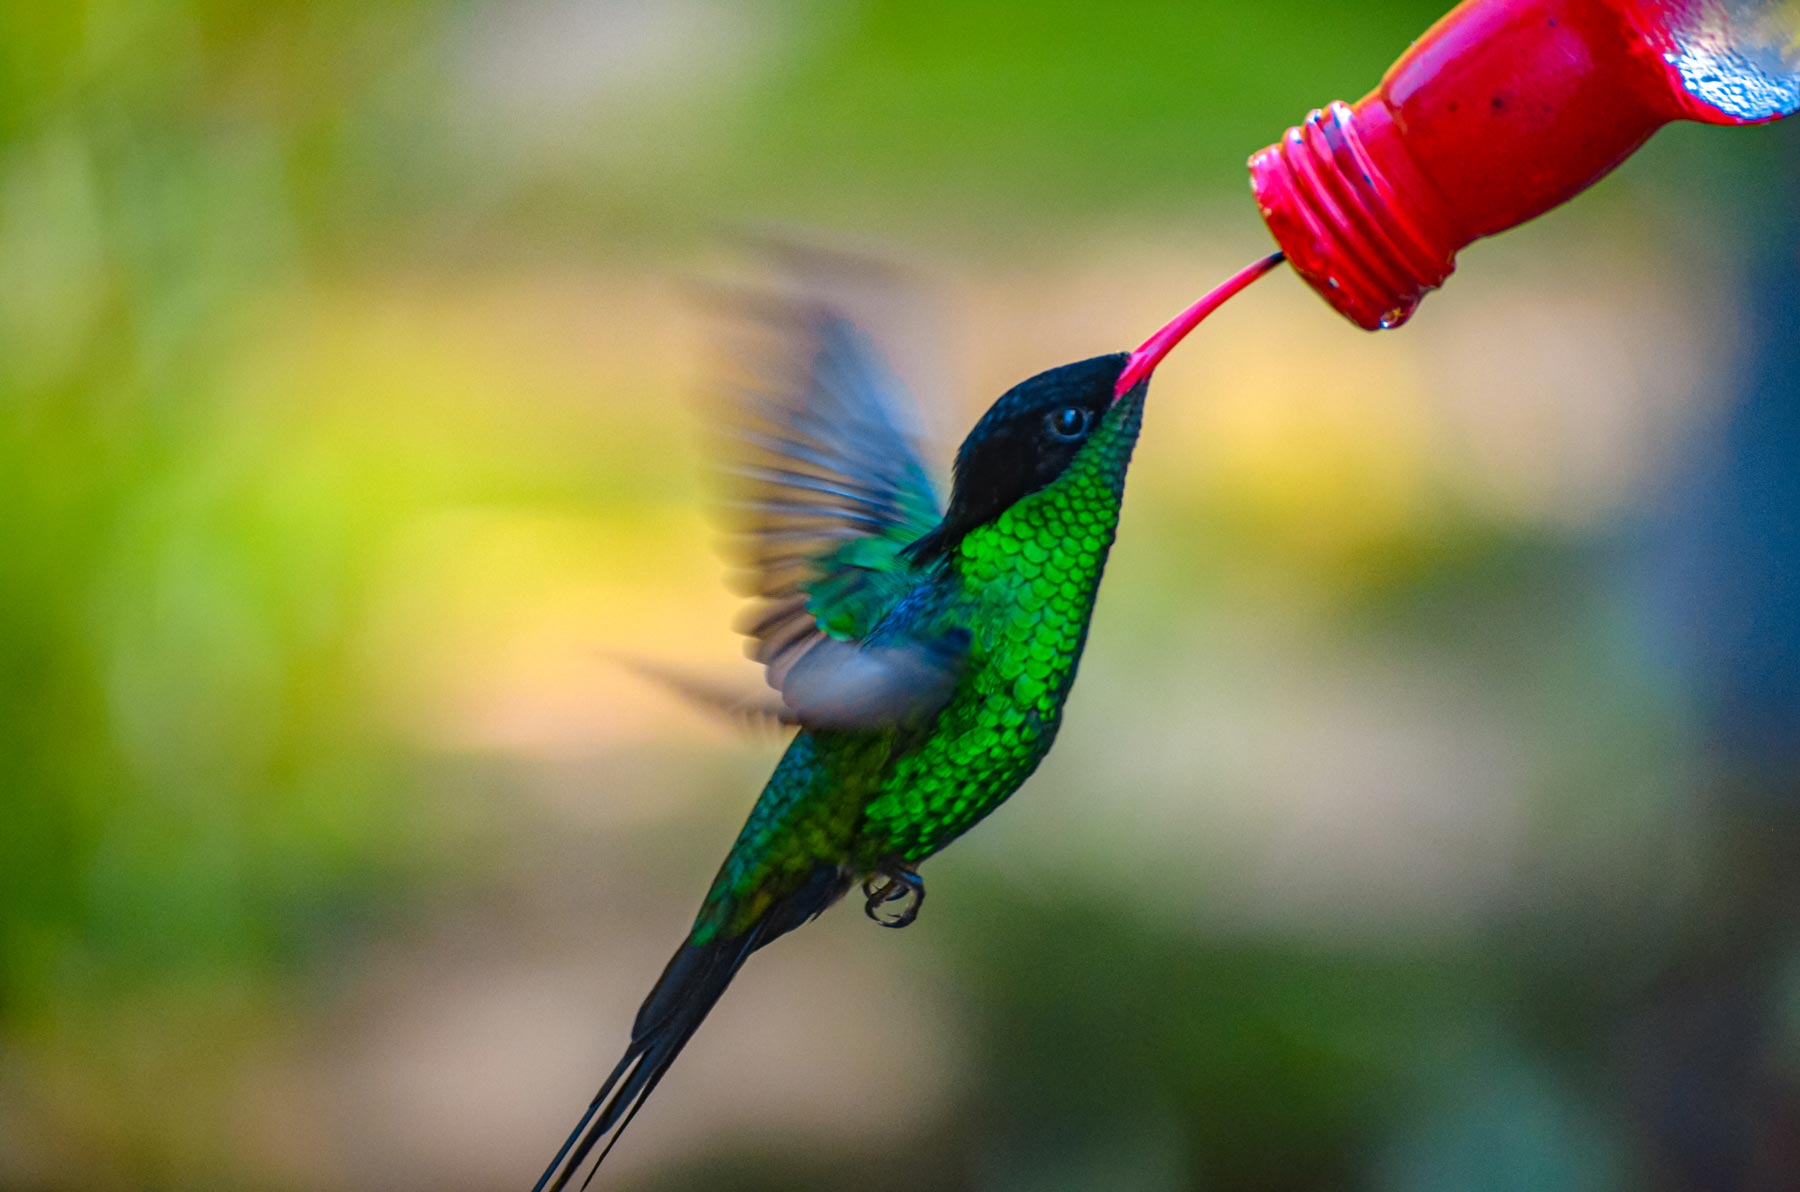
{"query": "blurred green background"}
pixel 1424 818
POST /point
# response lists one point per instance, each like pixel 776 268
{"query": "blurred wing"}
pixel 850 685
pixel 826 488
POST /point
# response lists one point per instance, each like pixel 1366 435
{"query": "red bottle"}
pixel 1501 111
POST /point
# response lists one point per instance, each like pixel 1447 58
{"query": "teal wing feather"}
pixel 828 489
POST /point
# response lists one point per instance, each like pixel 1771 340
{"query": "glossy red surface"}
pixel 1501 111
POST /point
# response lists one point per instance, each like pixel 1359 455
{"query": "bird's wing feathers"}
pixel 826 490
pixel 839 684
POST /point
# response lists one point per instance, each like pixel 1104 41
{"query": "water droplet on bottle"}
pixel 1739 57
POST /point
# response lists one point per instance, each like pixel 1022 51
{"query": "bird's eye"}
pixel 1070 422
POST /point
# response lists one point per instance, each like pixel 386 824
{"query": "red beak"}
pixel 1143 362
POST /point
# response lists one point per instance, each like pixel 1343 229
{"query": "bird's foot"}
pixel 894 886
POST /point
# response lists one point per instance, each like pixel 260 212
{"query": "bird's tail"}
pixel 687 990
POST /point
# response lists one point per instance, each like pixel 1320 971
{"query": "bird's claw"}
pixel 889 886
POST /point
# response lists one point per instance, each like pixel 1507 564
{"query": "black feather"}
pixel 689 987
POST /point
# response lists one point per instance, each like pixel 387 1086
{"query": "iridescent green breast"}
pixel 1025 584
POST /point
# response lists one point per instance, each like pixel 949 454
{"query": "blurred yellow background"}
pixel 1423 819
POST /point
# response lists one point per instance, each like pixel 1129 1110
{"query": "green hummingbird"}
pixel 924 654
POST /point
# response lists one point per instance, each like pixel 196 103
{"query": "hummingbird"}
pixel 923 651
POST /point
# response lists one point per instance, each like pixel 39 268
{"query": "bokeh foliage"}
pixel 323 352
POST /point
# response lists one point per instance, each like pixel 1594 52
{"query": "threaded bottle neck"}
pixel 1364 227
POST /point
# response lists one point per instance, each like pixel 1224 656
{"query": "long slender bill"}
pixel 1144 360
